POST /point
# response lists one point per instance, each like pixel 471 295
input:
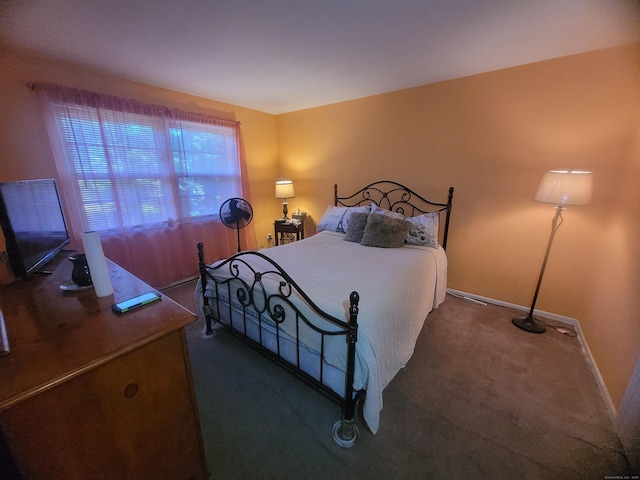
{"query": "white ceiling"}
pixel 278 56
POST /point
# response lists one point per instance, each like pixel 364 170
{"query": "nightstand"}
pixel 286 230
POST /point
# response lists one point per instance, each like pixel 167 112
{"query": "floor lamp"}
pixel 561 188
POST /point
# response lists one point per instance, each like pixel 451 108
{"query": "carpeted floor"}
pixel 480 399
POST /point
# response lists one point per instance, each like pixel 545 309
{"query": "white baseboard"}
pixel 611 409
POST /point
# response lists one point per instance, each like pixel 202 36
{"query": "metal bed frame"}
pixel 271 303
pixel 397 198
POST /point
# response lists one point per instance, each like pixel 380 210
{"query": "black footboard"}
pixel 257 301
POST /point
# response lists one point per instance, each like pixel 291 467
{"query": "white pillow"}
pixel 336 219
pixel 382 211
pixel 424 230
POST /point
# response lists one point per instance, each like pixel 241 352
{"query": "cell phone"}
pixel 135 302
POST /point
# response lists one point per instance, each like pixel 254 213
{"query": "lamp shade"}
pixel 565 187
pixel 284 189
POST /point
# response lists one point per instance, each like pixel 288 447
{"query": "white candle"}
pixel 97 263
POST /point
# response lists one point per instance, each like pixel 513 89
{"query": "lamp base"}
pixel 529 324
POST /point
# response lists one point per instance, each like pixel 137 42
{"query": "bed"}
pixel 341 309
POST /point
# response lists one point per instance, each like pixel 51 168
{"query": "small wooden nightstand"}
pixel 285 230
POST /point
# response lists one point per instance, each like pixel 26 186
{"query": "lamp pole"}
pixel 529 322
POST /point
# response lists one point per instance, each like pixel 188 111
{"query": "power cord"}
pixel 567 331
pixel 468 299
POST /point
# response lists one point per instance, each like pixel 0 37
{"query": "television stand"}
pixel 87 393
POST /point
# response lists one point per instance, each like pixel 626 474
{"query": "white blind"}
pixel 141 169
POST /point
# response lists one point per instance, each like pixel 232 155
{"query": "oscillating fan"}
pixel 236 213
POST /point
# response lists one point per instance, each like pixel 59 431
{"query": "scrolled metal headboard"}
pixel 396 197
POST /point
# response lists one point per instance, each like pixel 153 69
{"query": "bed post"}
pixel 345 431
pixel 206 308
pixel 448 216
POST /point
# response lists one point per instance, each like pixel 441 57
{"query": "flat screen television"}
pixel 33 224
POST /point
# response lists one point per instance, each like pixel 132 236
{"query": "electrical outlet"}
pixel 269 237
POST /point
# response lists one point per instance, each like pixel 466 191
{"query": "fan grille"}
pixel 236 213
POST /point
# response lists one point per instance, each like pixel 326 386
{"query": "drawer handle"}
pixel 131 389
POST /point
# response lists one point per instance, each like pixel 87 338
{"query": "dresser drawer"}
pixel 130 418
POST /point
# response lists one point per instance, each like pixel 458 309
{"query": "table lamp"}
pixel 284 190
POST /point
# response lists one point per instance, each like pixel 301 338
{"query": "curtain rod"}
pixel 33 86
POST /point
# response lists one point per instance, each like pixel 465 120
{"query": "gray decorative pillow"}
pixel 384 231
pixel 355 227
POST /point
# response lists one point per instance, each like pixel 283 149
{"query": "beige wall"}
pixel 492 136
pixel 24 144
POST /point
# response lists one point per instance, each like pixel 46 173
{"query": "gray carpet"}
pixel 480 399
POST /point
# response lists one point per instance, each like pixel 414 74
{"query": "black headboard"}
pixel 397 198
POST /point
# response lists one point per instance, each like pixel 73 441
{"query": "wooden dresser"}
pixel 88 394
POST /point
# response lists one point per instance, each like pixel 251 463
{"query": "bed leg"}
pixel 345 431
pixel 208 331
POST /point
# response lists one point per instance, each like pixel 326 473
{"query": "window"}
pixel 149 179
pixel 204 174
pixel 139 166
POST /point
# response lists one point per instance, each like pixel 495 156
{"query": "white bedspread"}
pixel 398 287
